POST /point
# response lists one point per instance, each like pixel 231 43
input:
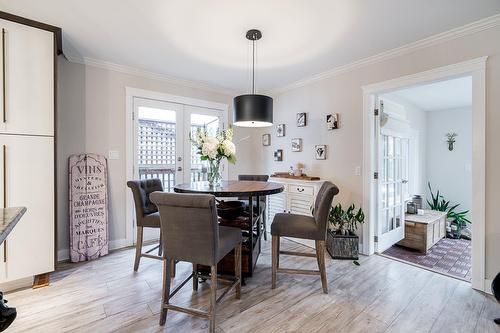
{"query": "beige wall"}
pixel 343 94
pixel 92 119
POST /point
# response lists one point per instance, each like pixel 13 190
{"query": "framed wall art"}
pixel 296 144
pixel 278 155
pixel 280 130
pixel 266 139
pixel 301 119
pixel 320 152
pixel 332 121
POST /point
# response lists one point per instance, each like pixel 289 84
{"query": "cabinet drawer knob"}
pixel 300 190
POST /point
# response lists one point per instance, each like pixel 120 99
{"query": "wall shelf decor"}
pixel 320 152
pixel 266 139
pixel 296 144
pixel 332 121
pixel 280 130
pixel 301 119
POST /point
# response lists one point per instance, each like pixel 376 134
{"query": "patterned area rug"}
pixel 449 256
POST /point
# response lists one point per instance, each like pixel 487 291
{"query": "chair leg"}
pixel 167 268
pixel 274 258
pixel 237 269
pixel 213 298
pixel 173 264
pixel 278 251
pixel 195 277
pixel 160 247
pixel 320 254
pixel 264 224
pixel 138 248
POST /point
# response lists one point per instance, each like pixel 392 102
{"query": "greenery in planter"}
pixel 438 203
pixel 344 222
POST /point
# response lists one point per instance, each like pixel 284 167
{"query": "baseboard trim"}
pixel 63 254
pixel 487 286
pixel 17 284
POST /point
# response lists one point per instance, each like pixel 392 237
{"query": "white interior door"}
pixel 393 161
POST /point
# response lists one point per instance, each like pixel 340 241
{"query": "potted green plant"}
pixel 342 242
pixel 457 220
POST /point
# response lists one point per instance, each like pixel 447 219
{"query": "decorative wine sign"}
pixel 88 206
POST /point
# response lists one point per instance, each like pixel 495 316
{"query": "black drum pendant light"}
pixel 253 110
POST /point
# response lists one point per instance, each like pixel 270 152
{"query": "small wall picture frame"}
pixel 332 121
pixel 266 139
pixel 320 152
pixel 278 155
pixel 280 130
pixel 296 144
pixel 301 119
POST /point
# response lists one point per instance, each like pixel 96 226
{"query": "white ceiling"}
pixel 203 41
pixel 442 95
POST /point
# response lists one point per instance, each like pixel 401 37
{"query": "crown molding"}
pixel 465 30
pixel 148 75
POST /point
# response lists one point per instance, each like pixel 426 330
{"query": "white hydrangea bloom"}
pixel 210 147
pixel 229 148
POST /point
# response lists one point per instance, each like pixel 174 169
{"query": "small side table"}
pixel 423 231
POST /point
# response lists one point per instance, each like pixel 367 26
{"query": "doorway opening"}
pixel 395 169
pixel 425 182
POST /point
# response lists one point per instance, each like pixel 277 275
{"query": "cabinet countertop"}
pixel 8 220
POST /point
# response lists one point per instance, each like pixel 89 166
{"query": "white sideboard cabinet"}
pixel 297 198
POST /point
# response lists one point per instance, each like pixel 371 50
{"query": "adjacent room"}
pixel 426 147
pixel 233 166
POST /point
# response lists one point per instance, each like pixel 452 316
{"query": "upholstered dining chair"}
pixel 305 227
pixel 262 203
pixel 147 215
pixel 192 233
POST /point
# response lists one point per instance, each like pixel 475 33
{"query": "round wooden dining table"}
pixel 252 190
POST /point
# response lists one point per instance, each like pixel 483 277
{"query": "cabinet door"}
pixel 300 204
pixel 29 182
pixel 276 203
pixel 29 80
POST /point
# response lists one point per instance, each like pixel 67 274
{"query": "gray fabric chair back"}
pixel 323 204
pixel 141 190
pixel 257 178
pixel 189 225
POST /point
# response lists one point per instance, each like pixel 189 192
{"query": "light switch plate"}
pixel 113 155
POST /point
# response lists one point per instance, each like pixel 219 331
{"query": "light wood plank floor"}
pixel 381 295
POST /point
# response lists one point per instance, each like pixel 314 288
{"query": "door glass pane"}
pixel 383 219
pixel 204 122
pixel 157 145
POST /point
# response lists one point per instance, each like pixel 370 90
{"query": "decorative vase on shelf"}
pixel 214 175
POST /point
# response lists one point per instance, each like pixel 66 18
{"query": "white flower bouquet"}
pixel 214 149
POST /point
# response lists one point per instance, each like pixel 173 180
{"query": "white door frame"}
pixel 477 69
pixel 130 94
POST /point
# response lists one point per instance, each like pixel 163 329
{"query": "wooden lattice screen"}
pixel 156 151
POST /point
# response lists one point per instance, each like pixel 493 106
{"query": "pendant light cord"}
pixel 253 67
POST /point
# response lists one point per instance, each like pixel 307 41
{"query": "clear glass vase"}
pixel 214 175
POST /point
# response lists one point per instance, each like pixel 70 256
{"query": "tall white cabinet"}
pixel 27 135
pixel 297 198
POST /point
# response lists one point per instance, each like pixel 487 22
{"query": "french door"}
pixel 393 166
pixel 162 146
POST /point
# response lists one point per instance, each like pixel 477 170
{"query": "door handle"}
pixel 179 168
